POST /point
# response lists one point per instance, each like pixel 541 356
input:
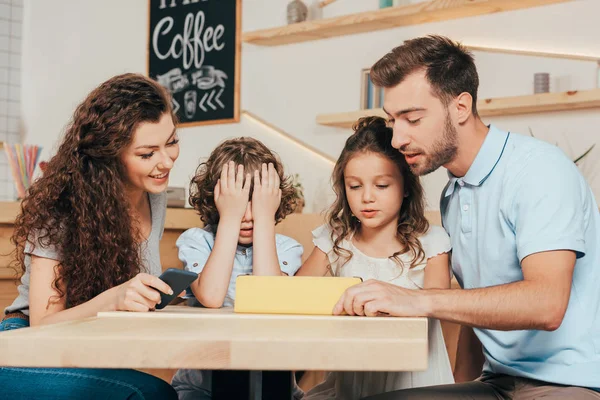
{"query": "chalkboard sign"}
pixel 194 51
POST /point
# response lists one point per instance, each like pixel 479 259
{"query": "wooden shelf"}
pixel 386 18
pixel 537 103
pixel 534 53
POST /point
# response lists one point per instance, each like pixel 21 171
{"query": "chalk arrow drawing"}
pixel 217 98
pixel 201 104
pixel 175 105
pixel 209 98
pixel 211 105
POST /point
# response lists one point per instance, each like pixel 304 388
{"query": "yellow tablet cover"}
pixel 309 295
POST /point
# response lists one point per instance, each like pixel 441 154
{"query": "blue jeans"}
pixel 75 383
pixel 13 323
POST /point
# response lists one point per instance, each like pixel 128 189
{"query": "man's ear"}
pixel 464 107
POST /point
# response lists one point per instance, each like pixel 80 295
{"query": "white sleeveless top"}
pixel 356 385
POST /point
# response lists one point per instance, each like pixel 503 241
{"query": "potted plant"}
pixel 577 159
pixel 297 185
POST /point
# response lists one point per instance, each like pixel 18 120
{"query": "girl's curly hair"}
pixel 79 205
pixel 248 152
pixel 372 135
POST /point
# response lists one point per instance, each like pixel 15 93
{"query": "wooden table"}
pixel 183 337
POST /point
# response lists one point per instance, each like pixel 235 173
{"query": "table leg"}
pixel 230 385
pixel 277 385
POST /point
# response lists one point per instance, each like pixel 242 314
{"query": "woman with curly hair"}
pixel 240 193
pixel 87 237
pixel 376 229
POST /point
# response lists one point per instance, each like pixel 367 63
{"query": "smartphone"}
pixel 178 280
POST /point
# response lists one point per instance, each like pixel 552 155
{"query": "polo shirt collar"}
pixel 486 160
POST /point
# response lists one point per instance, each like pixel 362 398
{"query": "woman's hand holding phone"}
pixel 141 293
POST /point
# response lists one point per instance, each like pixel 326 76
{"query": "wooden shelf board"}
pixel 391 17
pixel 537 103
pixel 533 53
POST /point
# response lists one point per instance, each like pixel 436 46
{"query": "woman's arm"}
pixel 437 272
pixel 47 307
pixel 317 264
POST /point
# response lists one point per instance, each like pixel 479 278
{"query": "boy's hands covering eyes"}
pixel 232 192
pixel 266 196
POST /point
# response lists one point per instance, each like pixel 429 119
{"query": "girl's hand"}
pixel 231 192
pixel 140 293
pixel 267 194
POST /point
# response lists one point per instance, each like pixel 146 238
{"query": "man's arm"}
pixel 539 301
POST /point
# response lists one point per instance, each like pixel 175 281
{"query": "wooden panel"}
pixel 411 14
pixel 8 293
pixel 6 251
pixel 176 218
pixel 182 218
pixel 450 331
pixel 300 227
pixel 166 374
pixel 168 251
pixel 8 211
pixel 536 103
pixel 215 339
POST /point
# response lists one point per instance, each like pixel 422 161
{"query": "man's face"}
pixel 423 128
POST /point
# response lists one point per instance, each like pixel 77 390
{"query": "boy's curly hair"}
pixel 250 153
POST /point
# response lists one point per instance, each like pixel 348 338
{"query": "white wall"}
pixel 72 45
pixel 11 16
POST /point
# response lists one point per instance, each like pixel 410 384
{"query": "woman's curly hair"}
pixel 248 152
pixel 79 206
pixel 372 135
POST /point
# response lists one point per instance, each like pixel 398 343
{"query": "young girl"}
pixel 241 193
pixel 377 230
pixel 87 237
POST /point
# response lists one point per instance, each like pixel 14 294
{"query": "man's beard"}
pixel 442 152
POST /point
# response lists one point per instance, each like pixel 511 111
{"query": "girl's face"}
pixel 374 189
pixel 151 155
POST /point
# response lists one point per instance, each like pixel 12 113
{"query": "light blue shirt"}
pixel 195 246
pixel 523 196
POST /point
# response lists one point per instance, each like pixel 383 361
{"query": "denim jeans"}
pixel 76 383
pixel 13 323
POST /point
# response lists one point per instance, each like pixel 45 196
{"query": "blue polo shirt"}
pixel 519 197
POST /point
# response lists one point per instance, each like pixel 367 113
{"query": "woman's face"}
pixel 151 155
